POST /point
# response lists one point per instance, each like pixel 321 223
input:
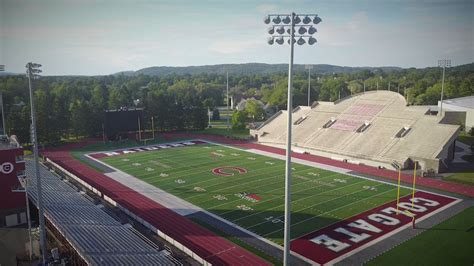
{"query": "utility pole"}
pixel 227 77
pixel 309 67
pixel 443 63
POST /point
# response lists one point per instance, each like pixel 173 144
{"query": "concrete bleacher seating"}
pixel 97 237
pixel 381 115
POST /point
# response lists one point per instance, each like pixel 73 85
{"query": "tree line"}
pixel 71 106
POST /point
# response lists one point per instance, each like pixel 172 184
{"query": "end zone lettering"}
pixel 327 244
pixel 147 148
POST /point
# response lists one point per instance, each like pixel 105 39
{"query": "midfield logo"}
pixel 228 170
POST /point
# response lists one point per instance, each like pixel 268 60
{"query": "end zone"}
pixel 342 239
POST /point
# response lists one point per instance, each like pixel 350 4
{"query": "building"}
pixel 12 196
pixel 243 103
pixel 374 128
pixel 459 111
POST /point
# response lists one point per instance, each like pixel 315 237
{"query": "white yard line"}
pixel 332 190
pixel 357 191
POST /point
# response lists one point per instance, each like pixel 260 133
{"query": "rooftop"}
pixel 467 102
pixel 7 143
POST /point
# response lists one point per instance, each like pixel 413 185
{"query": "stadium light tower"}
pixel 32 71
pixel 444 63
pixel 280 30
pixel 4 130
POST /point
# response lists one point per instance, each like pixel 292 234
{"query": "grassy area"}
pixel 449 243
pixel 251 194
pixel 241 243
pixel 463 178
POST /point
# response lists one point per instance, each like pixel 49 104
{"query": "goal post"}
pixel 144 130
pixel 414 183
pixel 398 186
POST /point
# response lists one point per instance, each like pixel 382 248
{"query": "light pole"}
pixel 444 63
pixel 209 117
pixel 280 30
pixel 4 131
pixel 227 78
pixel 32 71
pixel 309 67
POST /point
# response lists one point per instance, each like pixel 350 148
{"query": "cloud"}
pixel 267 8
pixel 345 34
pixel 58 32
pixel 233 46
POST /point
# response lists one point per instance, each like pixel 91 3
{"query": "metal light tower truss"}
pixel 32 72
pixel 444 63
pixel 283 27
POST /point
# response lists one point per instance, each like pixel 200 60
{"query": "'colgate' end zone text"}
pixel 328 244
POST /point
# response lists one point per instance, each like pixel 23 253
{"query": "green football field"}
pixel 254 197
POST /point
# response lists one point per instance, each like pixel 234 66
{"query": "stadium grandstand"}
pixel 95 236
pixel 375 128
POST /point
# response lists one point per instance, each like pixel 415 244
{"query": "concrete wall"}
pixel 469 119
pixel 469 113
pixel 15 242
pixel 454 118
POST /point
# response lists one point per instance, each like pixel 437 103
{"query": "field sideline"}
pixel 254 199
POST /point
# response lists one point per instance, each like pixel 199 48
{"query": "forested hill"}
pixel 248 69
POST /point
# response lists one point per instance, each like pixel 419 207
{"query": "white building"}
pixel 463 108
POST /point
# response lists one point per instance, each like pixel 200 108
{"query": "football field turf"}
pixel 248 189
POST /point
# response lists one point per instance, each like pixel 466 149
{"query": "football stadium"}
pixel 353 181
pixel 172 133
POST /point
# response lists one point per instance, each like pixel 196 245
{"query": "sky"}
pixel 86 37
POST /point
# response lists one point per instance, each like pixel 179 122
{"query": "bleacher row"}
pixel 364 126
pixel 195 240
pixel 98 238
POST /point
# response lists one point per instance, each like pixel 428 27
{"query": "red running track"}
pixel 393 175
pixel 212 248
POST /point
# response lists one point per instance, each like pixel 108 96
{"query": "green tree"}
pixel 238 119
pixel 254 110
